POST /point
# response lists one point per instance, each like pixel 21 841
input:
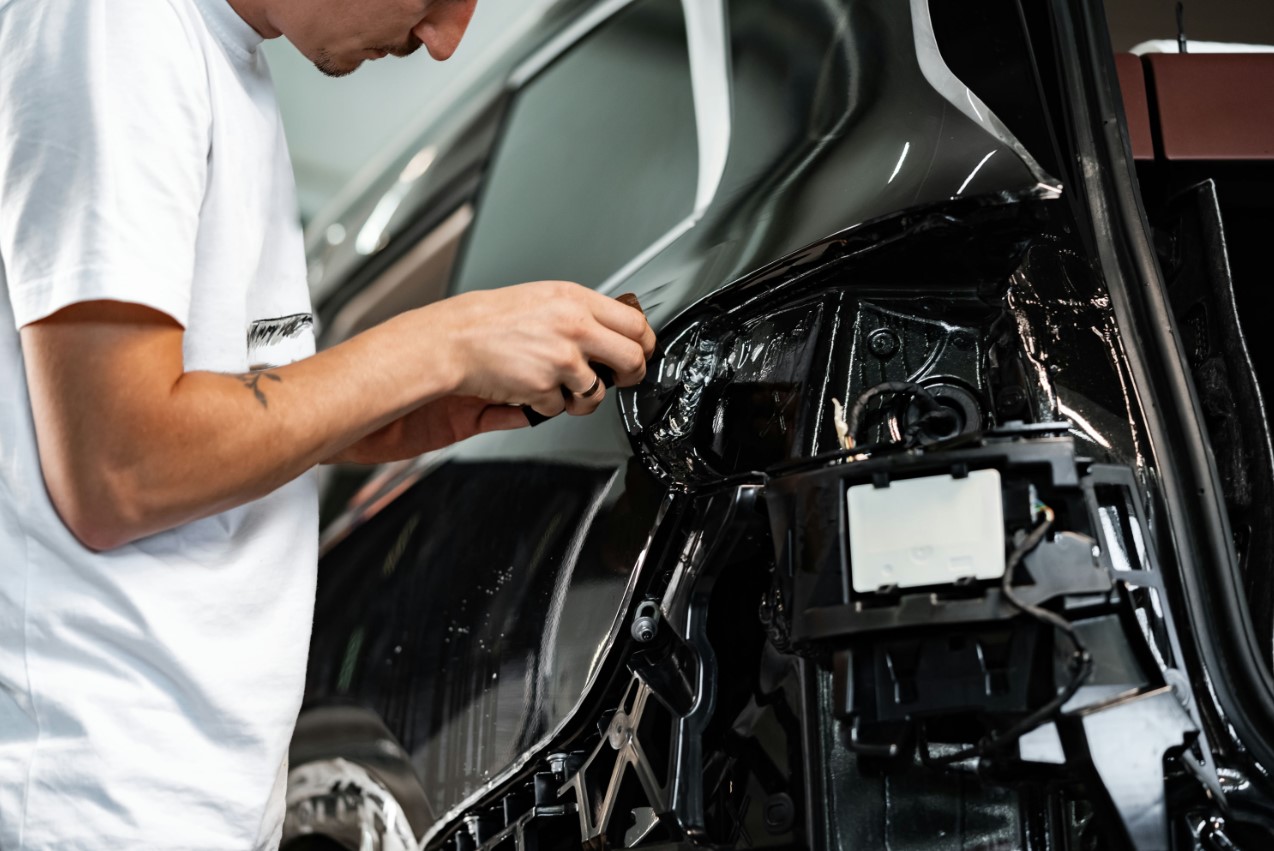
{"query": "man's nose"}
pixel 444 26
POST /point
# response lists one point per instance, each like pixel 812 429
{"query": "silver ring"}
pixel 592 388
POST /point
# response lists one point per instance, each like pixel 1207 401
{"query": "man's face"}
pixel 339 35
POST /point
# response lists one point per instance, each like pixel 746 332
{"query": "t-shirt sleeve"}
pixel 104 139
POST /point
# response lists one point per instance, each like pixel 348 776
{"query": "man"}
pixel 161 404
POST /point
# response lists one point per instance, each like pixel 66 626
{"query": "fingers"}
pixel 622 338
pixel 625 357
pixel 623 315
pixel 523 345
pixel 618 338
pixel 582 406
pixel 574 373
pixel 585 400
pixel 548 405
pixel 592 388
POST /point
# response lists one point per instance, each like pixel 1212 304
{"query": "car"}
pixel 942 517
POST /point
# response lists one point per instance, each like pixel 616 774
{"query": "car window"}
pixel 598 158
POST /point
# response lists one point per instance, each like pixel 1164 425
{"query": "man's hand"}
pixel 513 365
pixel 521 345
pixel 131 443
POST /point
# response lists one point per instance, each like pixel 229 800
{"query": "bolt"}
pixel 883 342
pixel 646 622
pixel 962 341
pixel 557 763
pixel 644 629
pixel 619 732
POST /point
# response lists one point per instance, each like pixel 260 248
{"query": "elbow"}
pixel 102 511
pixel 96 535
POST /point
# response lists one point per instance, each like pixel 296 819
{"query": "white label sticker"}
pixel 927 531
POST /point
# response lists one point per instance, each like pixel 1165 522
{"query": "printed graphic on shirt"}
pixel 276 342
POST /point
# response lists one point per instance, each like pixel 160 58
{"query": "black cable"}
pixel 933 408
pixel 922 422
pixel 1082 662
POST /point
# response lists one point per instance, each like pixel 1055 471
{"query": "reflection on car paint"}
pixel 507 642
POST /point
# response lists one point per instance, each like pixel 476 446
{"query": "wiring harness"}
pixel 848 425
pixel 1081 661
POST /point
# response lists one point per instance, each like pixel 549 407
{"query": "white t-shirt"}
pixel 147 695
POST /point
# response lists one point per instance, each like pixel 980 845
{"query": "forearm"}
pixel 131 444
pixel 366 449
pixel 160 456
pixel 261 430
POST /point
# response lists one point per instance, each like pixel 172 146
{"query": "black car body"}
pixel 909 303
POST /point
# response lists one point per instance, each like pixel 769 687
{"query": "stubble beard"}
pixel 327 64
pixel 330 66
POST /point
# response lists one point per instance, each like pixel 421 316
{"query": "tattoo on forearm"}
pixel 252 381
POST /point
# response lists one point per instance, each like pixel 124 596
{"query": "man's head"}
pixel 339 35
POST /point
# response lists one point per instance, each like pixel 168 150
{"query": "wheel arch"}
pixel 349 778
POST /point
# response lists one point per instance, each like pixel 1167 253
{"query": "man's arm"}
pixel 131 444
pixel 432 426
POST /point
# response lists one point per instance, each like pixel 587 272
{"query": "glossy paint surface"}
pixel 472 612
pixel 834 119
